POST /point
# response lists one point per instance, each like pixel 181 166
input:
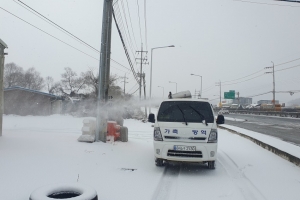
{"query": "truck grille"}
pixel 190 154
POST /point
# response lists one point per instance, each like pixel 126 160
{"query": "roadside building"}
pixel 244 101
pixel 22 101
pixel 267 102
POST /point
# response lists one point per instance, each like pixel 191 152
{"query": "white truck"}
pixel 185 130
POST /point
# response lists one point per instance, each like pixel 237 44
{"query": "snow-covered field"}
pixel 36 151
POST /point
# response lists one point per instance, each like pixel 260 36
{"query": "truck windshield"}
pixel 189 112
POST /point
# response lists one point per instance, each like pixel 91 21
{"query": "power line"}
pixel 118 15
pixel 259 94
pixel 208 88
pixel 243 77
pixel 58 26
pixel 243 81
pixel 48 34
pixel 253 2
pixel 288 1
pixel 60 39
pixel 263 69
pixel 287 62
pixel 145 14
pixel 124 46
pixel 137 1
pixel 287 68
pixel 119 64
pixel 135 91
pixel 131 25
pixel 133 87
pixel 123 8
pixel 61 28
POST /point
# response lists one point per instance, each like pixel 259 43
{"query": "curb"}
pixel 293 159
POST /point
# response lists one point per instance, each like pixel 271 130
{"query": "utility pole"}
pixel 108 48
pixel 142 61
pixel 124 82
pixel 197 94
pixel 219 84
pixel 273 72
pixel 144 81
pixel 2 56
pixel 104 70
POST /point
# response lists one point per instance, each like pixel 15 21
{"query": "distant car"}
pixel 223 112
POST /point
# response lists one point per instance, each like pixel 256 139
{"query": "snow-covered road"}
pixel 35 151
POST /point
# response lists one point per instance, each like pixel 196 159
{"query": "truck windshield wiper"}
pixel 199 114
pixel 183 115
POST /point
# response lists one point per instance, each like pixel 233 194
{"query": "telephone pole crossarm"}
pixel 142 61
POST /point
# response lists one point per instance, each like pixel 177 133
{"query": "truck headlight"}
pixel 157 134
pixel 213 136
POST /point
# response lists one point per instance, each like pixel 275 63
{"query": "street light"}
pixel 151 71
pixel 201 84
pixel 176 85
pixel 163 90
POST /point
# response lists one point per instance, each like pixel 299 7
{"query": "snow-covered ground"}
pixel 234 119
pixel 36 151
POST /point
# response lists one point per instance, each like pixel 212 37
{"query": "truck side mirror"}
pixel 151 118
pixel 220 119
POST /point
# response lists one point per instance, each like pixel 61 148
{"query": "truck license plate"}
pixel 184 148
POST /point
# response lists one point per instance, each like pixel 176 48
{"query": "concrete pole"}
pixel 2 47
pixel 108 49
pixel 141 74
pixel 151 81
pixel 201 88
pixel 124 83
pixel 102 79
pixel 220 95
pixel 144 82
pixel 273 86
pixel 151 73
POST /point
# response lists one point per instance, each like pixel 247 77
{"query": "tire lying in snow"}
pixel 74 191
pixel 124 134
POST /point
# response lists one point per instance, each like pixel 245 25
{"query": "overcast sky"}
pixel 220 40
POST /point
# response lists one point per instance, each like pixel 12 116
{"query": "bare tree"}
pixel 13 75
pixel 49 83
pixel 91 80
pixel 33 80
pixel 71 84
pixel 53 87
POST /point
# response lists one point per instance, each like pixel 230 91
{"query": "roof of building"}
pixel 3 44
pixel 33 91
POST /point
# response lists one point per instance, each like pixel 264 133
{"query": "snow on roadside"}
pixel 273 141
pixel 233 119
pixel 36 151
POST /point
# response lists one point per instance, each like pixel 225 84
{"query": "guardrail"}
pixel 271 113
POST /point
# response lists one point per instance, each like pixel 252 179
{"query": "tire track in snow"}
pixel 168 183
pixel 245 186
